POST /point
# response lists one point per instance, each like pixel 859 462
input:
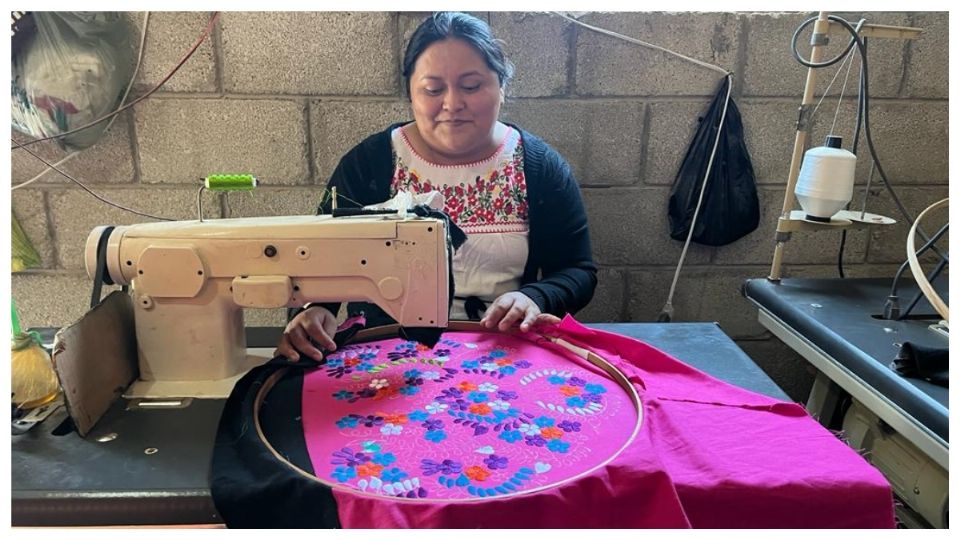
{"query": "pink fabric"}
pixel 708 454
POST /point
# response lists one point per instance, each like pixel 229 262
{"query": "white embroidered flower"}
pixel 529 429
pixel 379 383
pixel 489 366
pixel 487 387
pixel 442 359
pixel 499 405
pixel 436 407
pixel 430 375
pixel 391 429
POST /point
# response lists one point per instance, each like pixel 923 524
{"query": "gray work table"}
pixel 59 478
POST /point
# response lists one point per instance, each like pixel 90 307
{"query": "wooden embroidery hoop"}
pixel 389 331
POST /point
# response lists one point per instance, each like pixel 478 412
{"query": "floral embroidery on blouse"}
pixel 493 202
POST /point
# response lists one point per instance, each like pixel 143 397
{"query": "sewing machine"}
pixel 189 280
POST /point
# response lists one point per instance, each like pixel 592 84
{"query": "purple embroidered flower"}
pixel 371 420
pixel 347 457
pixel 450 394
pixel 507 394
pixel 494 461
pixel 405 353
pixel 414 381
pixel 433 424
pixel 592 398
pixel 522 364
pixel 441 352
pixel 367 393
pixel 447 466
pixel 535 440
pixel 576 381
pixel 569 426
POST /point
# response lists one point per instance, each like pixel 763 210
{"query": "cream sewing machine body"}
pixel 190 280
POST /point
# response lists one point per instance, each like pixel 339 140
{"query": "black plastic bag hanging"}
pixel 730 208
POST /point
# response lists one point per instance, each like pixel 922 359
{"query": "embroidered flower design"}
pixel 369 469
pixel 412 373
pixel 570 391
pixel 551 433
pixel 487 387
pixel 435 436
pixel 489 366
pixel 394 418
pixel 544 421
pixel 529 429
pixel 556 445
pixel 477 473
pixel 436 407
pixel 343 395
pixel 467 386
pixel 499 405
pixel 494 461
pixel 433 424
pixel 470 364
pixel 556 379
pixel 576 402
pixel 430 375
pixel 371 420
pixel 392 475
pixel 379 383
pixel 507 394
pixel 384 459
pixel 480 408
pixel 595 389
pixel 409 390
pixel 347 457
pixel 508 370
pixel 477 397
pixel 371 446
pixel 391 429
pixel 447 467
pixel 522 364
pixel 348 422
pixel 511 436
pixel 569 426
pixel 343 474
pixel 535 440
pixel 417 416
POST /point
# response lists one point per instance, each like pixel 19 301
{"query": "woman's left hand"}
pixel 514 308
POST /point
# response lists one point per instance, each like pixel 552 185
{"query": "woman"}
pixel 527 256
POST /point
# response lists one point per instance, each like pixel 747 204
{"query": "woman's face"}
pixel 456 100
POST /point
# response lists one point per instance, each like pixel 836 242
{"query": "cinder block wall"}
pixel 283 95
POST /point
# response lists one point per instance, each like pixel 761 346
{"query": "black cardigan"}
pixel 559 241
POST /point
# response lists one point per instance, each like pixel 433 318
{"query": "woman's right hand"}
pixel 315 322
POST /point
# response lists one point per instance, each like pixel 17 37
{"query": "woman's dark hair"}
pixel 451 24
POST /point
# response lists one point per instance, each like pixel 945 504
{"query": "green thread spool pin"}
pixel 230 182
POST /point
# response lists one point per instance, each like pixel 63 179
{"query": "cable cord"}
pixel 666 314
pixel 136 70
pixel 641 43
pixel 189 53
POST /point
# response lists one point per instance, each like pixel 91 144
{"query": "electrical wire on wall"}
pixel 666 313
pixel 112 115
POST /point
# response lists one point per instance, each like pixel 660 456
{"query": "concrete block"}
pixel 788 369
pixel 911 140
pixel 538 45
pixel 771 70
pixel 337 126
pixel 274 202
pixel 170 34
pixel 672 126
pixel 629 227
pixel 723 302
pixel 310 53
pixel 110 160
pixel 804 247
pixel 602 140
pixel 927 67
pixel 888 243
pixel 52 299
pixel 647 290
pixel 769 128
pixel 609 66
pixel 75 213
pixel 183 140
pixel 28 207
pixel 607 304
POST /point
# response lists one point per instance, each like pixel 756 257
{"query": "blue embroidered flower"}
pixel 494 461
pixel 511 436
pixel 556 379
pixel 478 397
pixel 347 422
pixel 498 353
pixel 343 395
pixel 411 373
pixel 343 474
pixel 409 390
pixel 334 362
pixel 367 355
pixel 391 429
pixel 595 389
pixel 417 416
pixel 556 445
pixel 430 375
pixel 470 364
pixel 576 381
pixel 569 426
pixel 392 475
pixel 363 366
pixel 514 412
pixel 435 436
pixel 371 446
pixel 508 370
pixel 522 364
pixel 544 421
pixel 575 401
pixel 384 459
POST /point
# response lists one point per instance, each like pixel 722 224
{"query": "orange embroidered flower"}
pixel 467 386
pixel 504 362
pixel 351 361
pixel 480 408
pixel 551 433
pixel 394 418
pixel 369 469
pixel 569 391
pixel 384 393
pixel 421 347
pixel 477 473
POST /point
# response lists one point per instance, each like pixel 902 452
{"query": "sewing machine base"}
pixel 214 389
